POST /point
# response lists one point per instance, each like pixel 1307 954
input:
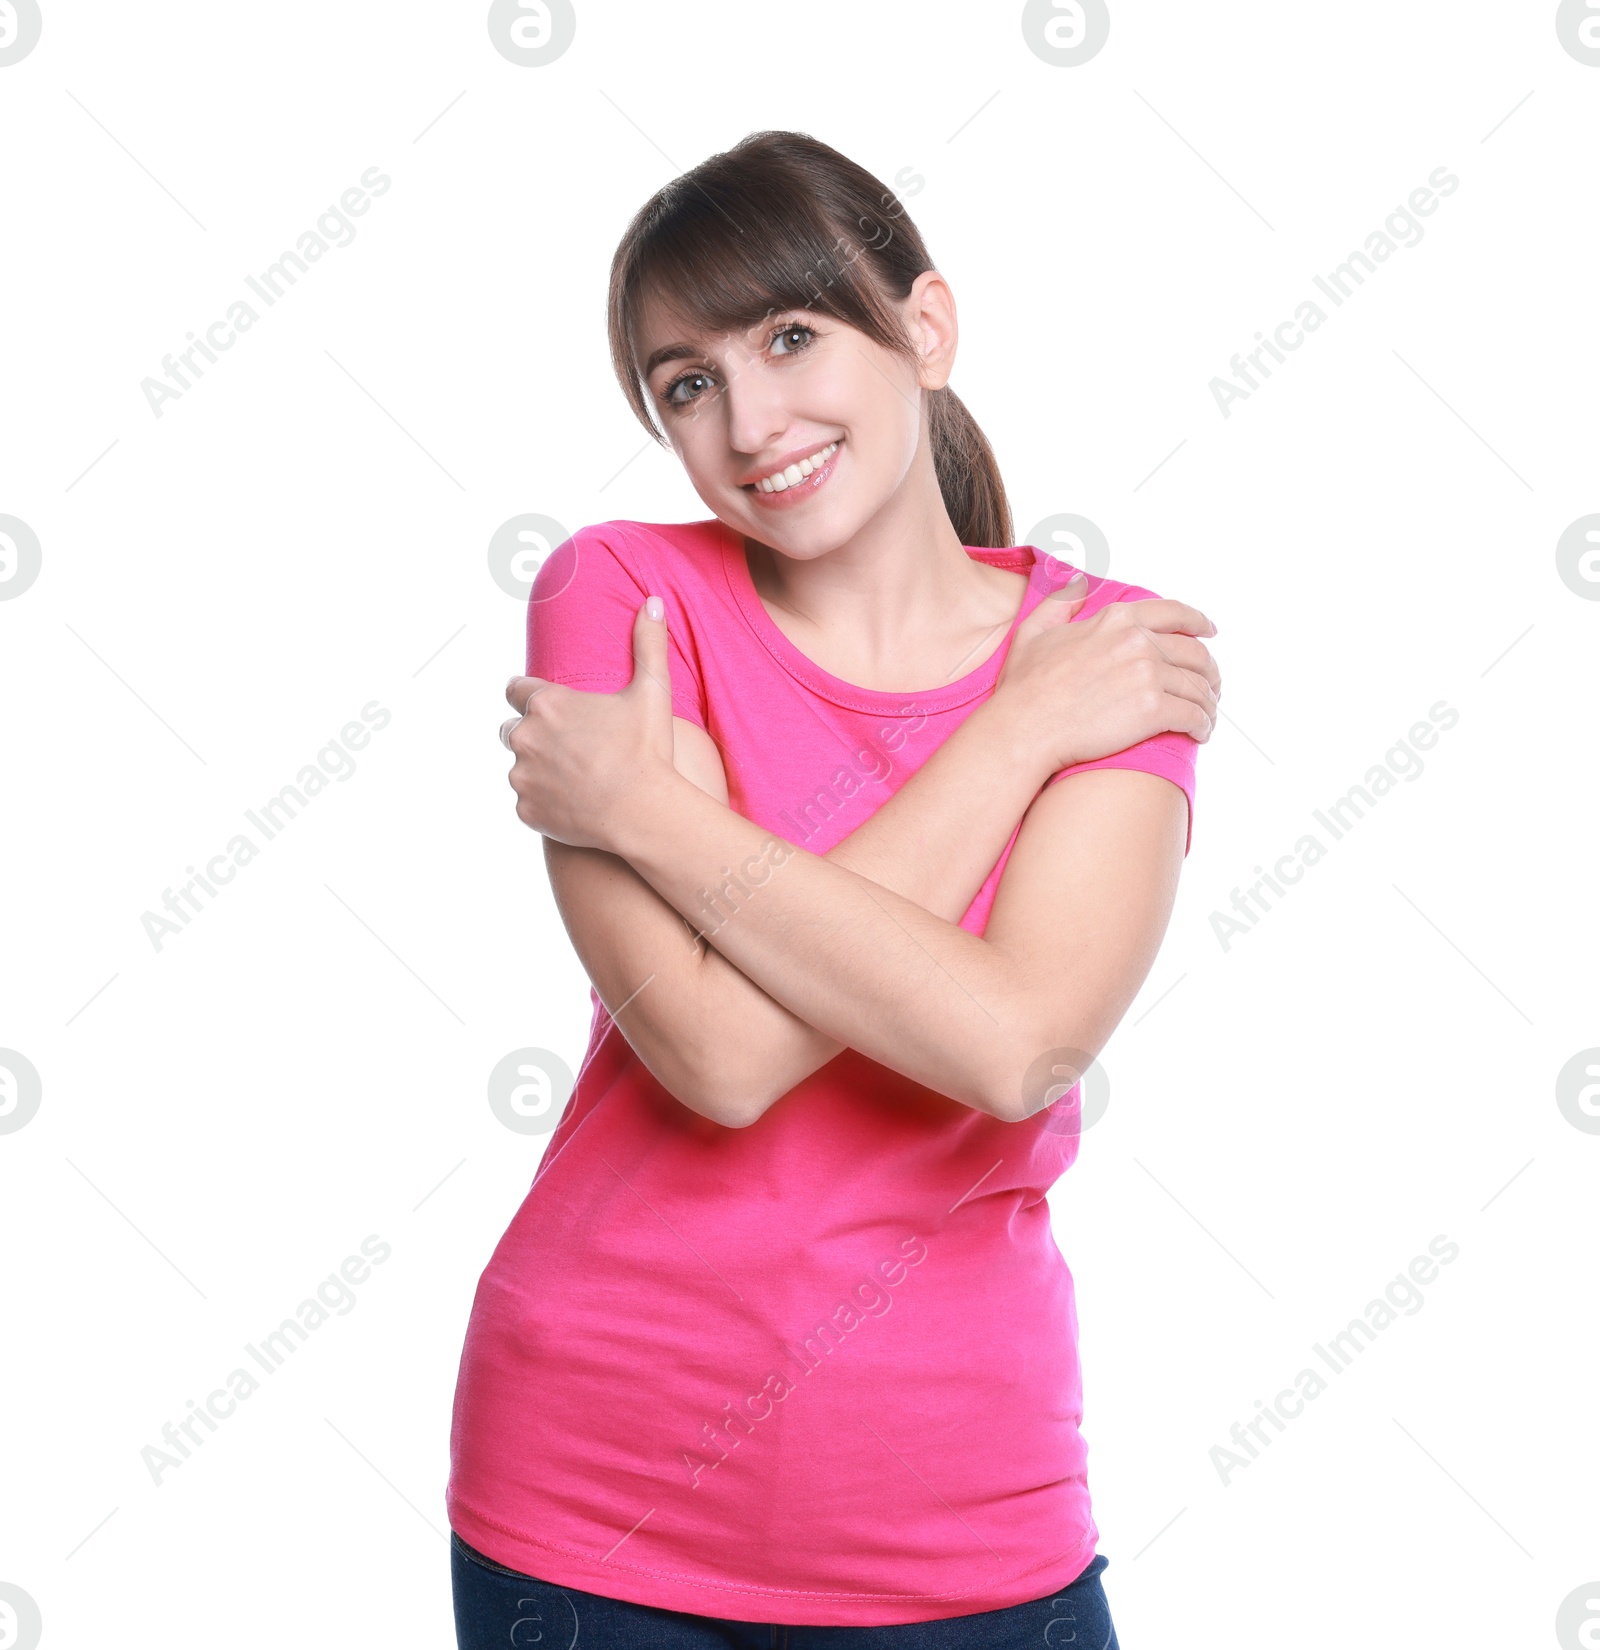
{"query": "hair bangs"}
pixel 721 273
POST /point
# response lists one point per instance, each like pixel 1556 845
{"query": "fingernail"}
pixel 654 608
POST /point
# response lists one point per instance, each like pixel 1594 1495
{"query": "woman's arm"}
pixel 1086 901
pixel 579 753
pixel 713 1037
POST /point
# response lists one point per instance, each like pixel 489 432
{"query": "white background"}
pixel 1294 1115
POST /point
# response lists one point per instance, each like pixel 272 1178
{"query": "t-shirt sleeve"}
pixel 1171 755
pixel 580 619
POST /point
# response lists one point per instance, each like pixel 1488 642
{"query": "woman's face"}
pixel 744 406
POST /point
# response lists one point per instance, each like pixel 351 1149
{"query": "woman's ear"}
pixel 930 316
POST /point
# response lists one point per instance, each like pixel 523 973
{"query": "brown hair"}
pixel 782 221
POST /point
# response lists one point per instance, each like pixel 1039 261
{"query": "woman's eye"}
pixel 789 332
pixel 677 384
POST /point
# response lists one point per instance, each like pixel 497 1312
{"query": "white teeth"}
pixel 784 479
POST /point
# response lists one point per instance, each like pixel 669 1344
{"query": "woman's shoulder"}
pixel 663 556
pixel 704 540
pixel 1050 572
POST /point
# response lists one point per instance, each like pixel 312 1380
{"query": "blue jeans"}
pixel 501 1609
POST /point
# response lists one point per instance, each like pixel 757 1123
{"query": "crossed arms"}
pixel 861 947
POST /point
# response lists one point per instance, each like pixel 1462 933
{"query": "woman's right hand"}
pixel 1075 690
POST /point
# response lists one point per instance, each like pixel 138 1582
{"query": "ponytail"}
pixel 969 477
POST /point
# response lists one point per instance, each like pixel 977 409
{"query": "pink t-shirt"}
pixel 822 1370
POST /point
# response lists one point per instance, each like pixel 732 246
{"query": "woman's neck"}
pixel 901 607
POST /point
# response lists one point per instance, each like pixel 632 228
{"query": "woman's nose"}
pixel 756 417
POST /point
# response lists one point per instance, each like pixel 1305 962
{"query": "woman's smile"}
pixel 797 481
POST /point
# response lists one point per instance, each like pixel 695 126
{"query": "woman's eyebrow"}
pixel 670 352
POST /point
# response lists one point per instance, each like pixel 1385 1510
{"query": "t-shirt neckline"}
pixel 1020 558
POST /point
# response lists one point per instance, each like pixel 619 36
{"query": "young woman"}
pixel 780 1349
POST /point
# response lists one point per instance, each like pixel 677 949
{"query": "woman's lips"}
pixel 797 492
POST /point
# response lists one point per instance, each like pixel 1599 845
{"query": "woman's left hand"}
pixel 586 761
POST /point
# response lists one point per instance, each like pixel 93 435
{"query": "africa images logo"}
pixel 1402 1295
pixel 20 27
pixel 332 230
pixel 1400 229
